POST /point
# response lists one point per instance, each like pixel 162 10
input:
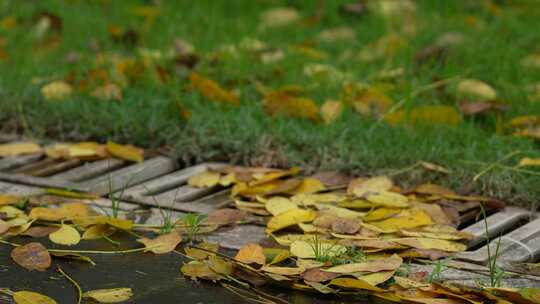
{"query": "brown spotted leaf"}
pixel 32 256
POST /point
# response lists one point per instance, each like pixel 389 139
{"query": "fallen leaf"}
pixel 408 218
pixel 377 277
pixel 442 115
pixel 200 254
pixel 97 231
pixel 324 289
pixel 32 256
pixel 332 178
pixel 6 199
pixel 118 223
pixel 40 231
pixel 199 270
pixel 371 102
pixel 113 295
pixel 331 110
pixel 278 17
pixel 109 91
pixel 317 275
pixel 372 185
pixel 354 284
pixel 276 255
pixel 288 271
pixel 204 179
pixel 162 244
pixel 66 235
pixel 470 108
pixel 219 265
pixel 376 265
pixel 388 199
pixel 434 167
pixel 309 186
pixel 226 216
pixel 346 226
pixel 289 218
pixel 426 243
pixel 212 90
pixel 524 162
pixel 125 152
pixel 73 256
pixel 279 103
pixel 21 148
pixel 30 297
pixel 476 88
pixel 251 253
pixel 4 226
pixel 336 34
pixel 56 91
pixel 277 205
pixel 309 249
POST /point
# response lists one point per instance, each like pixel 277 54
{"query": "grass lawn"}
pixel 131 45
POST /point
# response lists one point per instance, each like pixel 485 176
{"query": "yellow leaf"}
pixel 354 284
pixel 388 199
pixel 97 232
pixel 312 199
pixel 288 239
pixel 120 223
pixel 125 152
pixel 309 186
pixel 162 244
pixel 331 110
pixel 219 265
pixel 279 103
pixel 6 199
pixel 56 90
pixel 438 235
pixel 409 284
pixel 444 115
pixel 30 297
pixel 277 205
pixel 289 218
pixel 377 277
pixel 371 102
pixel 276 255
pixel 529 162
pixel 21 148
pixel 307 250
pixel 340 212
pixel 372 185
pixel 204 179
pixel 279 16
pixel 434 167
pixel 197 269
pixel 425 243
pixel 66 211
pixel 212 90
pixel 113 295
pixel 109 91
pixel 382 264
pixel 283 270
pixel 66 235
pixel 408 218
pixel 476 88
pixel 251 253
pixel 199 254
pixel 381 214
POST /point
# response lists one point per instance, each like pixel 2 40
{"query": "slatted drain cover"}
pixel 159 183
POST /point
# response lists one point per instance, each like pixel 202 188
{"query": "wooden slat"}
pixel 38 181
pixel 89 170
pixel 509 243
pixel 9 163
pixel 62 166
pixel 131 175
pixel 34 166
pixel 497 224
pixel 21 190
pixel 237 236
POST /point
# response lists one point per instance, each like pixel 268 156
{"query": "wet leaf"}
pixel 251 253
pixel 199 254
pixel 30 297
pixel 354 284
pixel 199 270
pixel 117 223
pixel 162 244
pixel 331 110
pixel 66 235
pixel 220 265
pixel 113 295
pixel 125 152
pixel 289 218
pixel 477 89
pixel 56 91
pixel 21 148
pixel 376 265
pixel 204 179
pixel 73 256
pixel 40 231
pixel 32 256
pixel 97 232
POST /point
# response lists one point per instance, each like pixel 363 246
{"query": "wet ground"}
pixel 155 279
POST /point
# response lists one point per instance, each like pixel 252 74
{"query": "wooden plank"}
pixel 508 245
pixel 89 170
pixel 55 168
pixel 39 181
pixel 34 166
pixel 8 163
pixel 21 190
pixel 131 175
pixel 497 223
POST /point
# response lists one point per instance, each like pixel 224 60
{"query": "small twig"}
pixel 77 286
pixel 108 239
pixel 9 243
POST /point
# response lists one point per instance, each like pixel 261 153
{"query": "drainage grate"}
pixel 146 188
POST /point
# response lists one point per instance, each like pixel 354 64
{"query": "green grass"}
pixel 147 115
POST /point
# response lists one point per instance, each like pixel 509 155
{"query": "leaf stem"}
pixel 77 286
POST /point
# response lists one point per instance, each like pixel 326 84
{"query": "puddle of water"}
pixel 153 278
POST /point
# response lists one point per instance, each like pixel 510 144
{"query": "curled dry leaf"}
pixel 66 235
pixel 355 284
pixel 32 256
pixel 251 253
pixel 30 297
pixel 113 295
pixel 163 243
pixel 125 152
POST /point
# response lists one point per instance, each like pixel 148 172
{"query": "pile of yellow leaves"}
pixel 336 233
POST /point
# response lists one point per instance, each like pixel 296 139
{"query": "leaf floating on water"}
pixel 113 295
pixel 125 152
pixel 251 253
pixel 30 297
pixel 32 256
pixel 16 149
pixel 199 270
pixel 163 243
pixel 66 235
